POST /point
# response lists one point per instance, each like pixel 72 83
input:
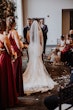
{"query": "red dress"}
pixel 8 96
pixel 17 67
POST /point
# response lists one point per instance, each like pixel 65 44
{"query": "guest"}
pixel 51 102
pixel 16 46
pixel 67 53
pixel 71 33
pixel 68 39
pixel 8 96
pixel 26 29
pixel 70 51
pixel 54 58
pixel 25 33
pixel 44 30
pixel 62 44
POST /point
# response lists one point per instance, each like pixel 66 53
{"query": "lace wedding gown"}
pixel 36 78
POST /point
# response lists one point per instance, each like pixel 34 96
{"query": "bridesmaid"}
pixel 8 96
pixel 17 47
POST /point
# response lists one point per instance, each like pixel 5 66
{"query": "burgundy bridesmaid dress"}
pixel 8 95
pixel 17 67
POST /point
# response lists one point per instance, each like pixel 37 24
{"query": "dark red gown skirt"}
pixel 8 96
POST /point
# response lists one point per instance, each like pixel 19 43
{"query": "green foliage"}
pixel 7 8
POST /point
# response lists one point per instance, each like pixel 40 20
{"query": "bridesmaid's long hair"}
pixel 10 22
pixel 2 25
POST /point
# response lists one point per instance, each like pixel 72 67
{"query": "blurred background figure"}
pixel 44 30
pixel 62 44
pixel 26 29
pixel 54 57
pixel 71 33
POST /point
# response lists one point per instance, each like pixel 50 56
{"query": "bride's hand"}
pixel 26 45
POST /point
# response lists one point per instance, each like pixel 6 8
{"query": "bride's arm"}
pixel 28 36
pixel 41 38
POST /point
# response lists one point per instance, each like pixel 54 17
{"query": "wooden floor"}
pixel 60 73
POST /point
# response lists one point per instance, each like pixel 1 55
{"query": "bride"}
pixel 36 78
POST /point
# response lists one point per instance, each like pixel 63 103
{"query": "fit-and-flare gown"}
pixel 36 78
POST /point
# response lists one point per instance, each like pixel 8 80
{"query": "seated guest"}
pixel 51 102
pixel 62 43
pixel 68 39
pixel 55 56
pixel 70 52
pixel 65 51
pixel 71 33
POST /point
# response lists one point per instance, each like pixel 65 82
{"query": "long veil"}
pixel 35 38
pixel 34 34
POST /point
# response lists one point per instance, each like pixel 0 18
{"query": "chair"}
pixel 65 95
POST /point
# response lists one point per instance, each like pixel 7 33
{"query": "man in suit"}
pixel 44 30
pixel 26 29
pixel 51 102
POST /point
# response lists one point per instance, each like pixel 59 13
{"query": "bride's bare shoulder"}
pixel 40 32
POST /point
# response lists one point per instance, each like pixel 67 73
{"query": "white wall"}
pixel 53 8
pixel 19 19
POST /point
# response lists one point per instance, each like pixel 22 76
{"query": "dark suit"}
pixel 44 30
pixel 26 28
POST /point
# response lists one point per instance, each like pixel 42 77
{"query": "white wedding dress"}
pixel 36 78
